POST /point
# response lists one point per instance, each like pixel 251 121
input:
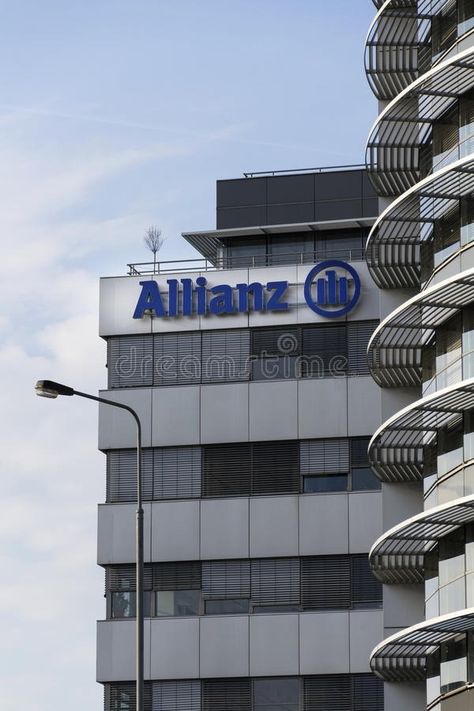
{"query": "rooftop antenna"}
pixel 154 241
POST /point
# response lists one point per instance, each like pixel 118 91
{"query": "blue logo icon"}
pixel 332 289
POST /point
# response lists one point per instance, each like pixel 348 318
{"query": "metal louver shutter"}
pixel 366 589
pixel 227 470
pixel 177 472
pixel 328 693
pixel 122 697
pixel 324 456
pixel 130 361
pixel 326 582
pixel 276 341
pixel 225 579
pixel 358 335
pixel 359 454
pixel 177 358
pixel 275 581
pixel 177 576
pixel 275 468
pixel 225 355
pixel 177 696
pixel 123 577
pixel 122 475
pixel 367 693
pixel 324 351
pixel 226 695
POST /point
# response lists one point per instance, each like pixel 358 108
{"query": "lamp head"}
pixel 48 388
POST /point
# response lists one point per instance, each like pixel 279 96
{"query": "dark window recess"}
pixel 231 586
pixel 168 473
pixel 244 469
pixel 226 695
pixel 237 355
pixel 343 692
pixel 335 692
pixel 362 476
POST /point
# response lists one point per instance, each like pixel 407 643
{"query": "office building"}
pixel 248 369
pixel 419 60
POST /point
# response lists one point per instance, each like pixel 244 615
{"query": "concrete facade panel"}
pixel 225 528
pixel 274 645
pixel 224 646
pixel 323 524
pixel 324 643
pixel 225 413
pixel 273 526
pixel 176 412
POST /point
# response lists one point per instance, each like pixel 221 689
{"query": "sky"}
pixel 116 115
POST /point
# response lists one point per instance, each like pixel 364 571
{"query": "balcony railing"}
pixel 243 262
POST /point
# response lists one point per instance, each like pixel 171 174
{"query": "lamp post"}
pixel 50 389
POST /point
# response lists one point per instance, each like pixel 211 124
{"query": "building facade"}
pixel 420 60
pixel 249 372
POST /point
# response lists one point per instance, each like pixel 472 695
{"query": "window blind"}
pixel 130 361
pixel 326 582
pixel 275 581
pixel 225 355
pixel 358 337
pixel 227 470
pixel 226 695
pixel 177 358
pixel 176 696
pixel 223 579
pixel 324 456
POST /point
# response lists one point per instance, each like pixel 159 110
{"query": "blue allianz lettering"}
pixel 186 298
pixel 331 289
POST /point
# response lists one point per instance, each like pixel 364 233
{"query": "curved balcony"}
pixel 403 656
pixel 396 449
pixel 398 44
pixel 394 242
pixel 393 148
pixel 395 349
pixel 398 555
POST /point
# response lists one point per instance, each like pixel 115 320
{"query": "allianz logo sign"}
pixel 331 289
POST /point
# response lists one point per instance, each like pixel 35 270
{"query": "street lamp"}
pixel 50 389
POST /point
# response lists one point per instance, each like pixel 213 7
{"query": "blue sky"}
pixel 114 116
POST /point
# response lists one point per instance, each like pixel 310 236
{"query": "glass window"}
pixel 340 245
pixel 451 557
pixel 449 352
pixel 453 666
pixel 465 16
pixel 296 248
pixel 467 220
pixel 319 483
pixel 364 479
pixel 276 694
pixel 123 604
pixel 450 449
pixel 452 596
pixel 251 251
pixel 226 607
pixel 177 603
